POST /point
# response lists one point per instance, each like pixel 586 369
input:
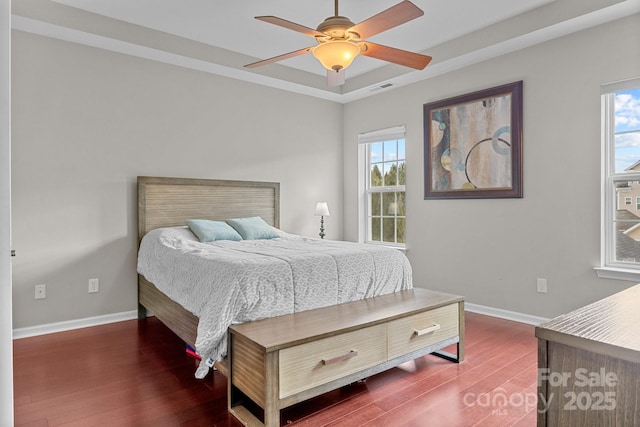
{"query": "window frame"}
pixel 364 183
pixel 610 268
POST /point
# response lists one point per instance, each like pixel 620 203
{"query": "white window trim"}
pixel 609 268
pixel 395 132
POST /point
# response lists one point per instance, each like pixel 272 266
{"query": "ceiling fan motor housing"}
pixel 336 27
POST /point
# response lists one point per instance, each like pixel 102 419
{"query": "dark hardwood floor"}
pixel 136 373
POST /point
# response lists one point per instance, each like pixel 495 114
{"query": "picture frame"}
pixel 473 145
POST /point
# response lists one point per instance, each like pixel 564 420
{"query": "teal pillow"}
pixel 210 231
pixel 253 228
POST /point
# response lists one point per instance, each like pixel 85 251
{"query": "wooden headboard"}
pixel 169 202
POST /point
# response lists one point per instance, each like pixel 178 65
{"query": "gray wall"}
pixel 492 251
pixel 87 122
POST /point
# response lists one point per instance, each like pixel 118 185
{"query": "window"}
pixel 621 180
pixel 383 163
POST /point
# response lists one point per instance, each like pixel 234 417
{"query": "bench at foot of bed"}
pixel 277 362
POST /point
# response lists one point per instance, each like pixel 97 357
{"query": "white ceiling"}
pixel 224 34
pixel 231 25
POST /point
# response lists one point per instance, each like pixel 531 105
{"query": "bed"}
pixel 164 204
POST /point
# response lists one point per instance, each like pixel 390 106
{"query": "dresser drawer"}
pixel 421 330
pixel 318 362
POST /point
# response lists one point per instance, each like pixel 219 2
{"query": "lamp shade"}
pixel 336 55
pixel 322 209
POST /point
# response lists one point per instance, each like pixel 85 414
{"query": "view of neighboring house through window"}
pixel 621 140
pixel 384 210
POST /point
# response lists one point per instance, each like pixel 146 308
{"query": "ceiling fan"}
pixel 340 40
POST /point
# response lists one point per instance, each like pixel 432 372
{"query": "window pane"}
pixel 626 226
pixel 401 152
pixel 375 204
pixel 390 173
pixel 389 229
pixel 627 130
pixel 375 229
pixel 375 152
pixel 401 207
pixel 390 151
pixel 389 205
pixel 402 172
pixel 376 175
pixel 401 225
pixel 627 241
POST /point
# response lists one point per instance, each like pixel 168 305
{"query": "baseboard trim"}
pixel 504 314
pixel 69 325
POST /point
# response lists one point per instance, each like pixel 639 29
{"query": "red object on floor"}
pixel 191 352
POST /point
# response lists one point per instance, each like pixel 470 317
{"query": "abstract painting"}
pixel 473 145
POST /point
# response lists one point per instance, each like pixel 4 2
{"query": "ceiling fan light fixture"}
pixel 336 55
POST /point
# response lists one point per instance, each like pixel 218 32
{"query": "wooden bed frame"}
pixel 169 202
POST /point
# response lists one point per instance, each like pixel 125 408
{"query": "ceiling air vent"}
pixel 384 86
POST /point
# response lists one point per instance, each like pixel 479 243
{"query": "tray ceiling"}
pixel 221 36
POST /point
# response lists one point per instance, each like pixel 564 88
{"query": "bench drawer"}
pixel 318 362
pixel 421 330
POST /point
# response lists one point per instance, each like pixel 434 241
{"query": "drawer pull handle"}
pixel 427 330
pixel 351 354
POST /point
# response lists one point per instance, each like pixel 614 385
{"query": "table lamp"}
pixel 322 210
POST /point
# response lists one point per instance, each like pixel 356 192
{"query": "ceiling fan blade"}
pixel 397 56
pixel 396 15
pixel 335 78
pixel 291 26
pixel 278 58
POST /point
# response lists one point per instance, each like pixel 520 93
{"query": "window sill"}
pixel 618 273
pixel 400 248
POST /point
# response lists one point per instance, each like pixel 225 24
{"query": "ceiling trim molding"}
pixel 533 38
pixel 608 14
pixel 59 32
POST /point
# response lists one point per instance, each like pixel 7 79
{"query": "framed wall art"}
pixel 473 145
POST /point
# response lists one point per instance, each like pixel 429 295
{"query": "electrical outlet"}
pixel 541 285
pixel 94 286
pixel 41 291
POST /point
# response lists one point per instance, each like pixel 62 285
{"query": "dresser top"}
pixel 610 326
pixel 296 328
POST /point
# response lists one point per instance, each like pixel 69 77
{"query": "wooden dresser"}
pixel 277 362
pixel 589 364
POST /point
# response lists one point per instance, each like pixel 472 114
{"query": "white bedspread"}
pixel 227 282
